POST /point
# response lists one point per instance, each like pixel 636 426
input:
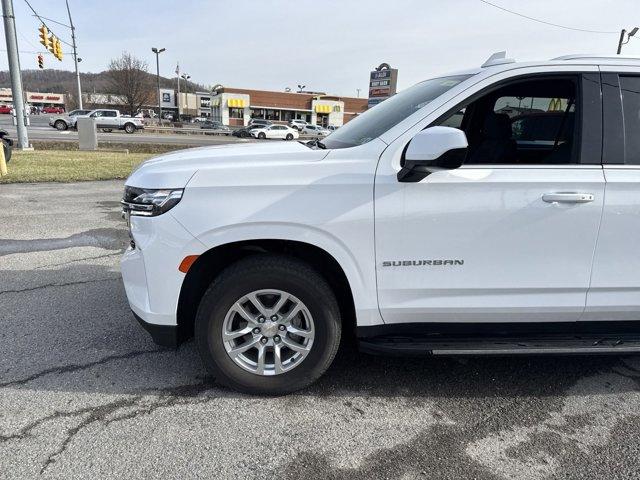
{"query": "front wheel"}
pixel 262 135
pixel 60 125
pixel 268 325
pixel 129 128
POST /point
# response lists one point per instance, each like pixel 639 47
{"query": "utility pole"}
pixel 158 51
pixel 358 90
pixel 14 70
pixel 75 56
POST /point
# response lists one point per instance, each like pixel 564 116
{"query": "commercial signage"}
pixel 168 97
pixel 205 102
pixel 382 84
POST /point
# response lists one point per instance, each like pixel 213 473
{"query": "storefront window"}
pixel 286 115
pixel 272 115
pixel 257 113
pixel 236 113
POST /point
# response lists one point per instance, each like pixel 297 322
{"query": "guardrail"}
pixel 199 131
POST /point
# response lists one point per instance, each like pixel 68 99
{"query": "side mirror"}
pixel 431 150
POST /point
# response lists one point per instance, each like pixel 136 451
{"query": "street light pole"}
pixel 75 56
pixel 158 51
pixel 178 73
pixel 629 35
pixel 14 71
pixel 186 88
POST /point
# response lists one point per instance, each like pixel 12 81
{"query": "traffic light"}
pixel 40 61
pixel 58 49
pixel 44 37
pixel 51 46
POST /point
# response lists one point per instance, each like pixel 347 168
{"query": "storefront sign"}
pixel 382 84
pixel 168 98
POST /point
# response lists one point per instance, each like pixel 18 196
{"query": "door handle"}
pixel 568 197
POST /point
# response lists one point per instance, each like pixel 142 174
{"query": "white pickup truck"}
pixel 490 211
pixel 106 120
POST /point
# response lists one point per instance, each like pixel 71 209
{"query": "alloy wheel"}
pixel 268 332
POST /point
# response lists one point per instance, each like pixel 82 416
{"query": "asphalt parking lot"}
pixel 84 393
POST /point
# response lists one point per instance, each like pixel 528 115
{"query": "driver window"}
pixel 530 122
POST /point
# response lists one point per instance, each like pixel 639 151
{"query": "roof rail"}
pixel 582 56
pixel 498 58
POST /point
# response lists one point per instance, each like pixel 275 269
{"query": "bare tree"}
pixel 129 78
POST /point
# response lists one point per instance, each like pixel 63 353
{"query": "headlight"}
pixel 149 202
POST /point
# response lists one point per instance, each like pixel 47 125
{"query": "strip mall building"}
pixel 237 106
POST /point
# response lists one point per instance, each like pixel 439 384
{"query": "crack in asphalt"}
pixel 48 285
pixel 77 260
pixel 167 397
pixel 77 367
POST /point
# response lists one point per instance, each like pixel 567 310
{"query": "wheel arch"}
pixel 210 263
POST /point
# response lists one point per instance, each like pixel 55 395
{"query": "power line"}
pixel 45 23
pixel 544 21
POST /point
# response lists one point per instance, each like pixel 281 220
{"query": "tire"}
pixel 60 125
pixel 244 135
pixel 107 130
pixel 289 136
pixel 129 127
pixel 262 135
pixel 271 273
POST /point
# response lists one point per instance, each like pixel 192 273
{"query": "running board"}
pixel 589 344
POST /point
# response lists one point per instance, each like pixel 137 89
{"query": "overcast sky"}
pixel 328 45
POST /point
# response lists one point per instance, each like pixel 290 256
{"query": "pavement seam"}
pixel 30 289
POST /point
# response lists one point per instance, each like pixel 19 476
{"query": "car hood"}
pixel 173 170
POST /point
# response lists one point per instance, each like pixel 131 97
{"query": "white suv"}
pixel 297 124
pixel 492 211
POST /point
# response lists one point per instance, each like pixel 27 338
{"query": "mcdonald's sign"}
pixel 555 105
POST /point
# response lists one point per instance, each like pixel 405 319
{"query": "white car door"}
pixel 509 236
pixel 615 282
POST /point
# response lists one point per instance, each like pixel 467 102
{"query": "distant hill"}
pixel 64 81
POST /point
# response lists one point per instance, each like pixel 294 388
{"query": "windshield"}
pixel 387 114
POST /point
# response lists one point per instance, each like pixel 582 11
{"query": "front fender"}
pixel 358 267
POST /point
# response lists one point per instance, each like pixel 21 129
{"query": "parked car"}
pixel 297 124
pixel 283 132
pixel 332 128
pixel 315 130
pixel 57 110
pixel 260 121
pixel 215 127
pixel 6 109
pixel 167 116
pixel 67 121
pixel 419 238
pixel 245 132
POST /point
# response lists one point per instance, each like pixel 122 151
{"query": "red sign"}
pixel 379 92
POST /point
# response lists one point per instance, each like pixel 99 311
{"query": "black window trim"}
pixel 590 145
pixel 613 130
